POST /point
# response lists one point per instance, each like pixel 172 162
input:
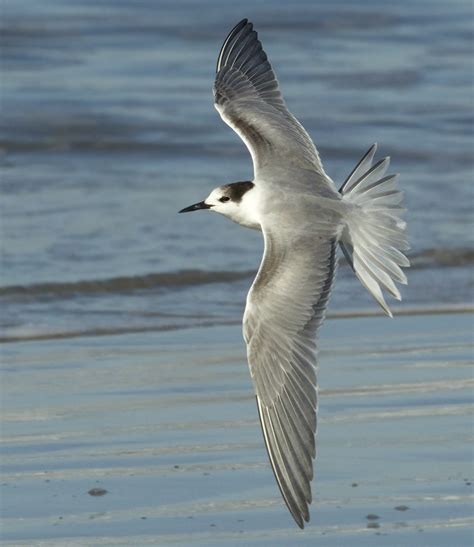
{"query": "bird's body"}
pixel 266 201
pixel 303 218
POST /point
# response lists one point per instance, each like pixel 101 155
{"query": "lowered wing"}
pixel 285 308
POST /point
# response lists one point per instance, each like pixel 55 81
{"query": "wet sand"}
pixel 153 439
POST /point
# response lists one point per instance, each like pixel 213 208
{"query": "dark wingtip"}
pixel 297 515
pixel 238 27
pixel 299 521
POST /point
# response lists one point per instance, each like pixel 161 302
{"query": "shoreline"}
pixel 447 309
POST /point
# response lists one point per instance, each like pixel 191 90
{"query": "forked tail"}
pixel 374 237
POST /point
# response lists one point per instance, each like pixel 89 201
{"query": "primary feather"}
pixel 248 98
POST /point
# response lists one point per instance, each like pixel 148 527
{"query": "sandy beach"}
pixel 153 439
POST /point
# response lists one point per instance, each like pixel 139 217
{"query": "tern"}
pixel 303 218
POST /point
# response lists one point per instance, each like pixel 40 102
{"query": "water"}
pixel 108 129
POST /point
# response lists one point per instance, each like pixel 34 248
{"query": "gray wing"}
pixel 248 98
pixel 285 307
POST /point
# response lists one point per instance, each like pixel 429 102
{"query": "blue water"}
pixel 108 129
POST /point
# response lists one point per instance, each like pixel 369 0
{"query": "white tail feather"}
pixel 374 237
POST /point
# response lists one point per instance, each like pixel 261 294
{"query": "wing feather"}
pixel 285 308
pixel 279 466
pixel 248 98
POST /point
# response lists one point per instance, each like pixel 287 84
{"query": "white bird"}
pixel 303 217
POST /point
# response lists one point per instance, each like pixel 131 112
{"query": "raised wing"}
pixel 248 98
pixel 285 307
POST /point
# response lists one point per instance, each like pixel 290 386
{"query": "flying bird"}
pixel 303 218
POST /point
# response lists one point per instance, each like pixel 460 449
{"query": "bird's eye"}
pixel 223 199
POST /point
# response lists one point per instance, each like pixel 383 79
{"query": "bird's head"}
pixel 226 200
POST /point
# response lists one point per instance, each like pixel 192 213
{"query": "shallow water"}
pixel 108 129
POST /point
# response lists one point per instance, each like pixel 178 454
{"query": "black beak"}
pixel 195 207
